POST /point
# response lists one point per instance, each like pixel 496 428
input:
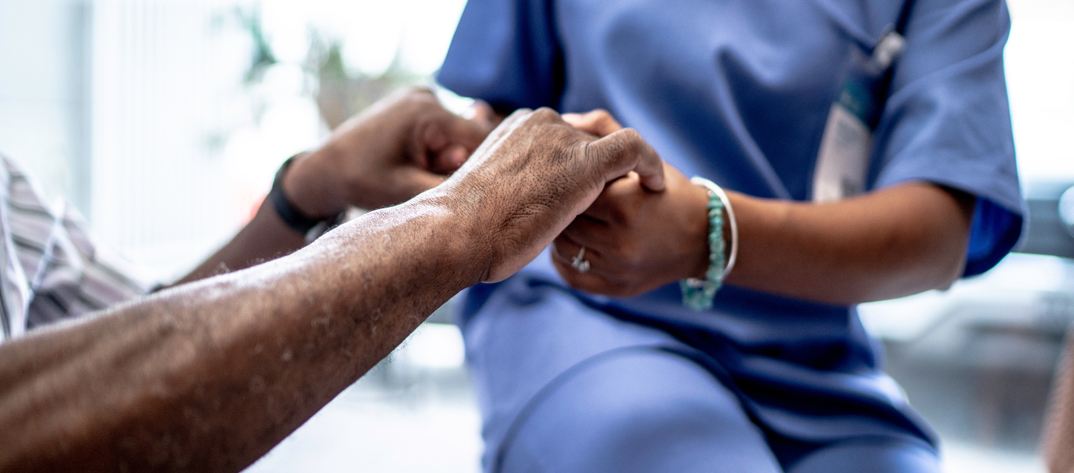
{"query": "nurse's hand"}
pixel 635 239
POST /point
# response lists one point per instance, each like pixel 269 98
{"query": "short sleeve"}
pixel 506 53
pixel 947 120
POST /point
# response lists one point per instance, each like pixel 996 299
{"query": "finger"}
pixel 620 193
pixel 449 139
pixel 581 281
pixel 441 128
pixel 482 112
pixel 625 151
pixel 564 250
pixel 501 132
pixel 412 181
pixel 469 133
pixel 589 232
pixel 449 159
pixel 594 280
pixel 597 122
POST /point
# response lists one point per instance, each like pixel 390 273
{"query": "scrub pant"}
pixel 565 388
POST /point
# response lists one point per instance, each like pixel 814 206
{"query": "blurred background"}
pixel 164 121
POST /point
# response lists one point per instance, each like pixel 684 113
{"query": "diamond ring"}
pixel 579 262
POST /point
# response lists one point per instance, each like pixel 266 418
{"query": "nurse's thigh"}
pixel 635 410
pixel 871 456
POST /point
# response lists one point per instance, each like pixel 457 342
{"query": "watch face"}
pixel 1066 210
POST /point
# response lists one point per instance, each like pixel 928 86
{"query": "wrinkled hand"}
pixel 635 239
pixel 532 176
pixel 396 149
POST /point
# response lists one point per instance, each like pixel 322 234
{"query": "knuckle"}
pixel 602 117
pixel 545 113
pixel 631 136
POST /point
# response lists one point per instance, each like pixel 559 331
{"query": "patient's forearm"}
pixel 209 376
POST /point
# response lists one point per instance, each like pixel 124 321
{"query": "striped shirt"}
pixel 52 268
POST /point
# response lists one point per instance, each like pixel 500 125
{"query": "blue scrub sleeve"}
pixel 947 120
pixel 507 54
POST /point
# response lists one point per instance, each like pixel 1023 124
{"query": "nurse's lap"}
pixel 568 388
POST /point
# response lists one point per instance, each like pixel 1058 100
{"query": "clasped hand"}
pixel 532 176
pixel 394 150
pixel 638 235
pixel 636 238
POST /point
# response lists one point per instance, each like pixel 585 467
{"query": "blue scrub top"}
pixel 738 92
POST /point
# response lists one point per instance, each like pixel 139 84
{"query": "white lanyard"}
pixel 843 158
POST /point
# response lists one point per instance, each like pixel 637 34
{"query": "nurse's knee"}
pixel 644 410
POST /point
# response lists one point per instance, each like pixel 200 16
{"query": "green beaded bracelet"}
pixel 697 294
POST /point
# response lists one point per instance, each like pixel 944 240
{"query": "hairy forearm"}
pixel 893 242
pixel 209 375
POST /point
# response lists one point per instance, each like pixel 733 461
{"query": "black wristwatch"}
pixel 288 212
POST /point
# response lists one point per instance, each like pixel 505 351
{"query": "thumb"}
pixel 482 112
pixel 623 151
pixel 460 137
pixel 468 133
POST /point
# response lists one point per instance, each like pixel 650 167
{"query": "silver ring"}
pixel 579 262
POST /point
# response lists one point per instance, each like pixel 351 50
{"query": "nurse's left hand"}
pixel 635 239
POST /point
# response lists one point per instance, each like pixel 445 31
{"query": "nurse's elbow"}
pixel 946 245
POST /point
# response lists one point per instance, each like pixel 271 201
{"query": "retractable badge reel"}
pixel 843 159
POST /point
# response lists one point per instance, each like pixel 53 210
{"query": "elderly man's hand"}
pixel 397 148
pixel 635 240
pixel 532 176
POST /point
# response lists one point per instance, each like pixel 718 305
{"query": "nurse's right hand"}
pixel 635 239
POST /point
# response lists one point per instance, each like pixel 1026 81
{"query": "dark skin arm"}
pixel 210 375
pixel 399 147
pixel 892 242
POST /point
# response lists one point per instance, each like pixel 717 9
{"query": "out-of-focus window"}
pixel 164 120
pixel 1040 81
pixel 196 103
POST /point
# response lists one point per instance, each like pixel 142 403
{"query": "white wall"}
pixel 162 81
pixel 43 99
pixel 1040 79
